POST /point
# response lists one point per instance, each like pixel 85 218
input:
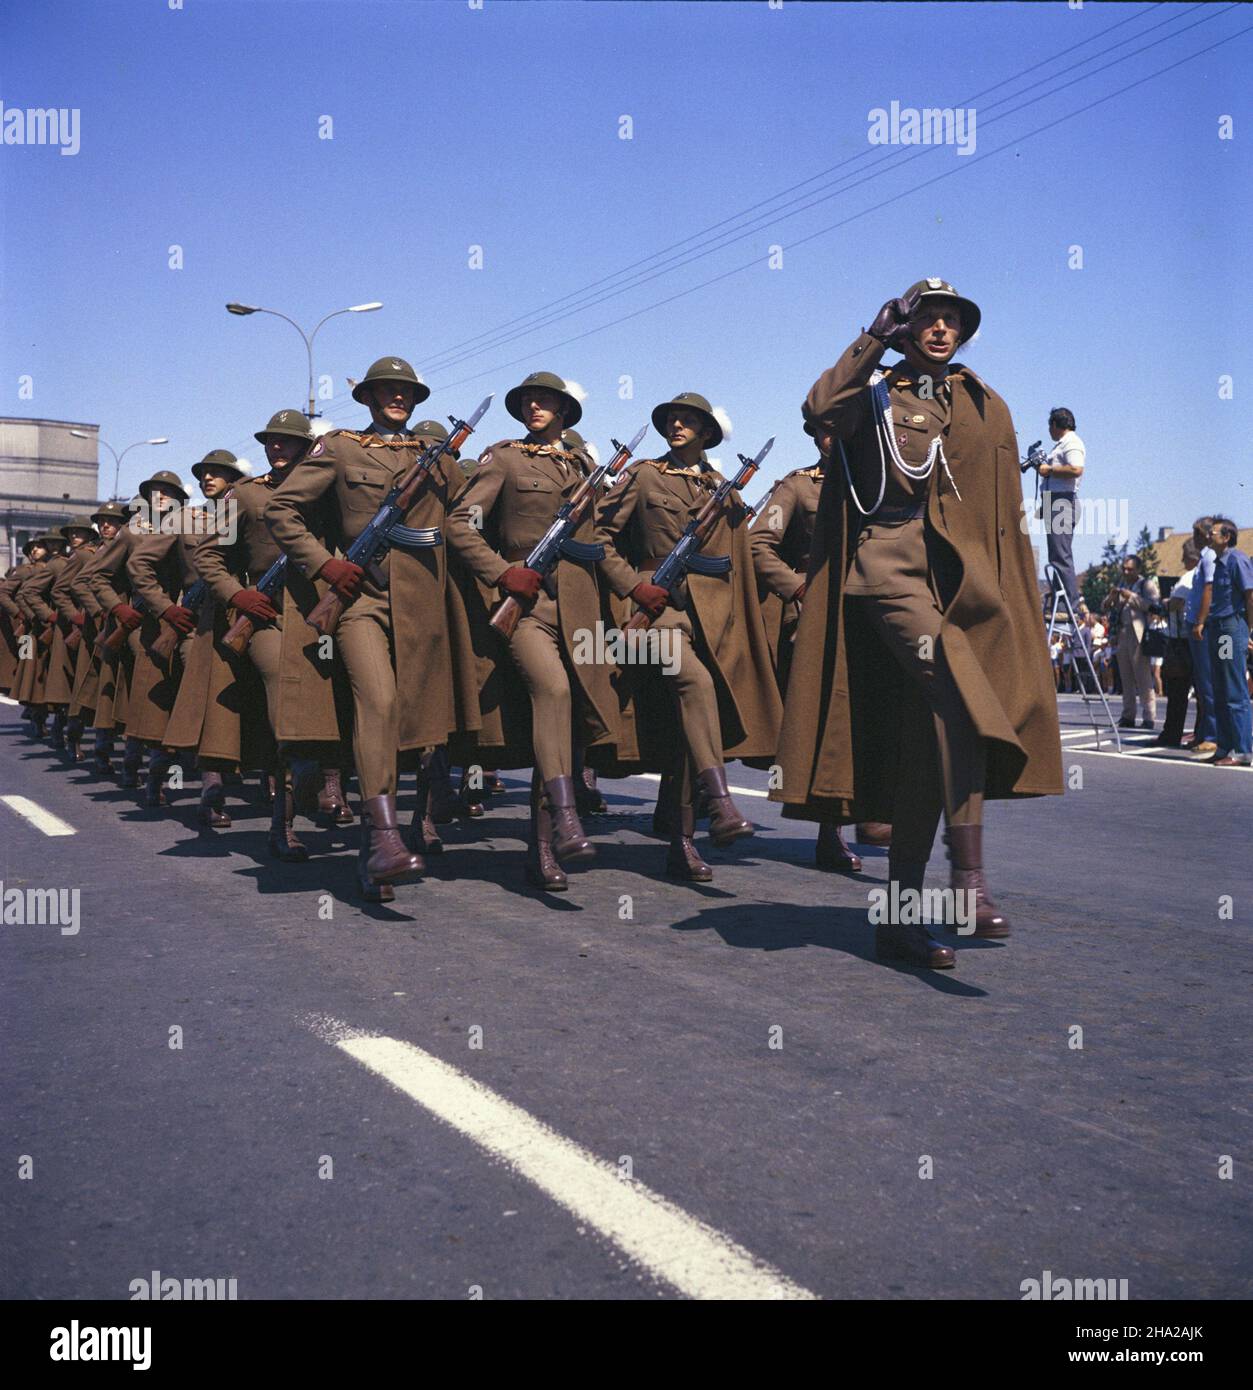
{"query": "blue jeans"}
pixel 1203 684
pixel 1231 692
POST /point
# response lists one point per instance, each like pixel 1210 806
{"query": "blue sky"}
pixel 499 128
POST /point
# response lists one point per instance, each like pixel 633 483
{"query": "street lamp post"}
pixel 244 309
pixel 117 458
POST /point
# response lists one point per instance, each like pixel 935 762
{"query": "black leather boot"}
pixel 132 761
pixel 663 813
pixel 911 943
pixel 965 852
pixel 212 800
pixel 159 763
pixel 74 738
pixel 56 734
pixel 424 836
pixel 102 753
pixel 832 853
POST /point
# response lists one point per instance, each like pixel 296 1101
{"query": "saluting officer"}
pixel 920 677
pixel 508 504
pixel 405 643
pixel 723 685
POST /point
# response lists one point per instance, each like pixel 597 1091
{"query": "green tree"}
pixel 1147 552
pixel 1100 578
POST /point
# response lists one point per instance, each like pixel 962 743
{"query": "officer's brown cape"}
pixel 848 705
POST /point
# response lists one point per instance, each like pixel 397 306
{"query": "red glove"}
pixel 179 618
pixel 800 593
pixel 126 616
pixel 652 598
pixel 79 619
pixel 520 583
pixel 255 604
pixel 343 576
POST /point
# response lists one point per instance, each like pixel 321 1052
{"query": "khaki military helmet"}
pixel 572 411
pixel 935 288
pixel 111 511
pixel 689 400
pixel 289 422
pixel 167 481
pixel 218 458
pixel 391 369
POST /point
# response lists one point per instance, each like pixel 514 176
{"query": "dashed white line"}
pixel 38 817
pixel 4 700
pixel 656 777
pixel 673 1246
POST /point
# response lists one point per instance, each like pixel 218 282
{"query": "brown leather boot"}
pixel 542 868
pixel 874 832
pixel 570 844
pixel 468 802
pixel 726 825
pixel 390 860
pixel 212 798
pixel 154 782
pixel 683 861
pixel 587 798
pixel 492 785
pixel 910 943
pixel 965 852
pixel 332 803
pixel 284 843
pixel 832 853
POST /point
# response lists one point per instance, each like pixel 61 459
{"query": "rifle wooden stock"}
pixel 163 644
pixel 326 613
pixel 637 621
pixel 46 634
pixel 239 633
pixel 112 641
pixel 73 640
pixel 507 616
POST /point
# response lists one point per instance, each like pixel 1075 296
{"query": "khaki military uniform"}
pixel 87 667
pixel 287 653
pixel 406 644
pixel 725 687
pixel 159 571
pixel 63 662
pixel 508 504
pixel 106 580
pixel 32 599
pixel 10 620
pixel 781 535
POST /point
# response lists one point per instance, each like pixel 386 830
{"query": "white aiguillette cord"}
pixel 883 430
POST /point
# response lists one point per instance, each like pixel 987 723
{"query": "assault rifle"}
pixel 169 637
pixel 559 540
pixel 686 554
pixel 239 634
pixel 385 528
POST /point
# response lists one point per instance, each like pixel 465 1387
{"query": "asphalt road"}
pixel 734 1048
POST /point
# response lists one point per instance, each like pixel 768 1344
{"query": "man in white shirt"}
pixel 1061 472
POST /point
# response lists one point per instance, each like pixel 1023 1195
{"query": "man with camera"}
pixel 1130 604
pixel 1060 473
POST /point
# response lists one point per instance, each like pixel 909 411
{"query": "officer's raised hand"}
pixel 891 323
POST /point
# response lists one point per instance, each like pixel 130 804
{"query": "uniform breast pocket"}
pixel 364 488
pixel 536 494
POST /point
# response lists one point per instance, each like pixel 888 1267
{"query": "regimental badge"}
pixel 935 283
pixel 920 419
pixel 318 449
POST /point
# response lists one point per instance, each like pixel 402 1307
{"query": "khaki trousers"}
pixel 1137 678
pixel 365 642
pixel 692 688
pixel 537 652
pixel 906 617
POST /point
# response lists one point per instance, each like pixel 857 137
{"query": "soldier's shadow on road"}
pixel 785 927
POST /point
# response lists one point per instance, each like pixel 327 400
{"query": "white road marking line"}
pixel 739 791
pixel 38 817
pixel 1156 759
pixel 694 1258
pixel 4 700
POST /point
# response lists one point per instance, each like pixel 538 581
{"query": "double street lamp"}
pixel 243 309
pixel 117 458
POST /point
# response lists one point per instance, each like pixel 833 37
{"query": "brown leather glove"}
pixel 520 583
pixel 891 323
pixel 78 619
pixel 652 598
pixel 343 576
pixel 179 618
pixel 255 604
pixel 126 616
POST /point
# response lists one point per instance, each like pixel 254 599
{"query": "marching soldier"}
pixel 781 534
pixel 920 679
pixel 505 509
pixel 11 622
pixel 138 692
pixel 66 642
pixel 88 620
pixel 724 685
pixel 217 713
pixel 299 698
pixel 405 642
pixel 32 600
